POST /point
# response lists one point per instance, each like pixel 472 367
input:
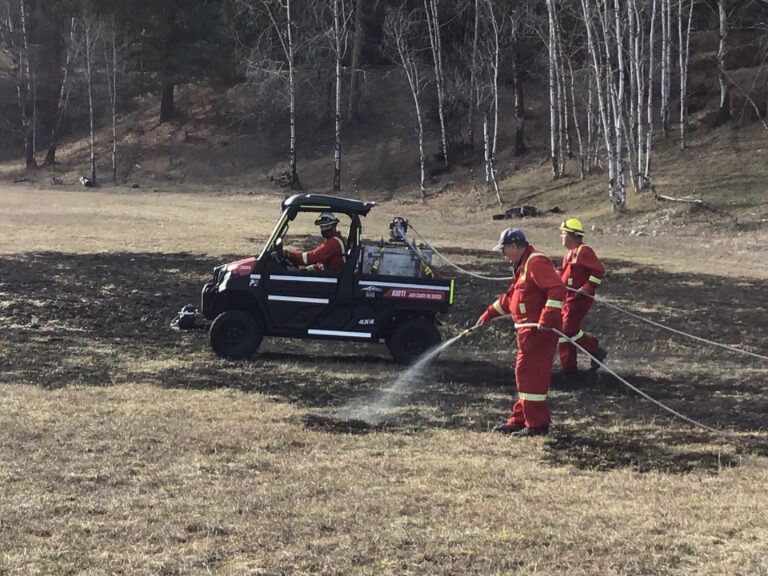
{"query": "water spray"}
pixel 365 412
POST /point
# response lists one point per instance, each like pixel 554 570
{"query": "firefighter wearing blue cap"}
pixel 535 297
pixel 328 255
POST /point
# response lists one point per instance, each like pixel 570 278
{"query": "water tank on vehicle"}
pixel 395 260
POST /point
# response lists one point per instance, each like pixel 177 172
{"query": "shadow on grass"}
pixel 103 319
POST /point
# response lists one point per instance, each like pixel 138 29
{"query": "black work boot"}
pixel 530 432
pixel 507 428
pixel 601 355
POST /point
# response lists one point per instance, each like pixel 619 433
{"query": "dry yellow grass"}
pixel 134 479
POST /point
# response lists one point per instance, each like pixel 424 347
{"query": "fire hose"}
pixel 471 329
pixel 630 386
pixel 597 299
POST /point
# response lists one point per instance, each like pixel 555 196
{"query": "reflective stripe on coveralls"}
pixel 533 363
pixel 575 337
pixel 582 272
pixel 532 397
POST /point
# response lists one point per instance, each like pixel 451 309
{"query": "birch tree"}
pixel 666 62
pixel 340 25
pixel 491 54
pixel 433 27
pixel 609 96
pixel 16 38
pixel 554 103
pixel 357 58
pixel 399 29
pixel 110 72
pixel 644 165
pixel 684 39
pixel 517 80
pixel 71 53
pixel 279 13
pixel 724 113
pixel 90 35
pixel 473 76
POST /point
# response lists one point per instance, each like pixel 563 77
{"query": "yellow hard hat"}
pixel 573 226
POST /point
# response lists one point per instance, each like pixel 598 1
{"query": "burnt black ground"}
pixel 104 320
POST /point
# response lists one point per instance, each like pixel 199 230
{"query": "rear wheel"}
pixel 411 338
pixel 235 335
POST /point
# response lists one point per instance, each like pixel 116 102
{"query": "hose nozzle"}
pixel 469 330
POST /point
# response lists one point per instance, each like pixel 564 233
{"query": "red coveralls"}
pixel 535 296
pixel 581 269
pixel 329 255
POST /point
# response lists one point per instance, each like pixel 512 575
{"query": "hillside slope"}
pixel 208 150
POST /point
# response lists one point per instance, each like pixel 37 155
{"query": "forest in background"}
pixel 617 73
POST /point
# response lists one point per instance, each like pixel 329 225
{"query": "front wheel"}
pixel 411 338
pixel 235 335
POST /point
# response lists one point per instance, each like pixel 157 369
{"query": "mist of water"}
pixel 374 410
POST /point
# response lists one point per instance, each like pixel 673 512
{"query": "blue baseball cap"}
pixel 511 236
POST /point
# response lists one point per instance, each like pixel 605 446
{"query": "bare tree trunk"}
pixel 575 114
pixel 603 94
pixel 473 78
pixel 554 127
pixel 111 75
pixel 517 75
pixel 487 154
pixel 357 60
pixel 638 63
pixel 397 29
pixel 666 57
pixel 590 123
pixel 620 191
pixel 490 162
pixel 564 137
pixel 25 92
pixel 635 80
pixel 337 140
pixel 89 41
pixel 725 87
pixel 433 23
pixel 295 183
pixel 649 107
pixel 685 42
pixel 72 50
pixel 286 42
pixel 494 83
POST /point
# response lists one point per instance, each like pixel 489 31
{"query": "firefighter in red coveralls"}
pixel 534 297
pixel 582 273
pixel 330 254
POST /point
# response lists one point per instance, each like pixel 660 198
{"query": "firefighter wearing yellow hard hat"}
pixel 582 273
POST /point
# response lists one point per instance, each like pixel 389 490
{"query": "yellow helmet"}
pixel 573 226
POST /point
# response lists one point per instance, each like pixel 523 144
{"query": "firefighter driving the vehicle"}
pixel 330 254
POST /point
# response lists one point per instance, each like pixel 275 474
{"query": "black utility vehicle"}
pixel 386 291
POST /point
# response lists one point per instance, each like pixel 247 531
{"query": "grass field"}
pixel 129 448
